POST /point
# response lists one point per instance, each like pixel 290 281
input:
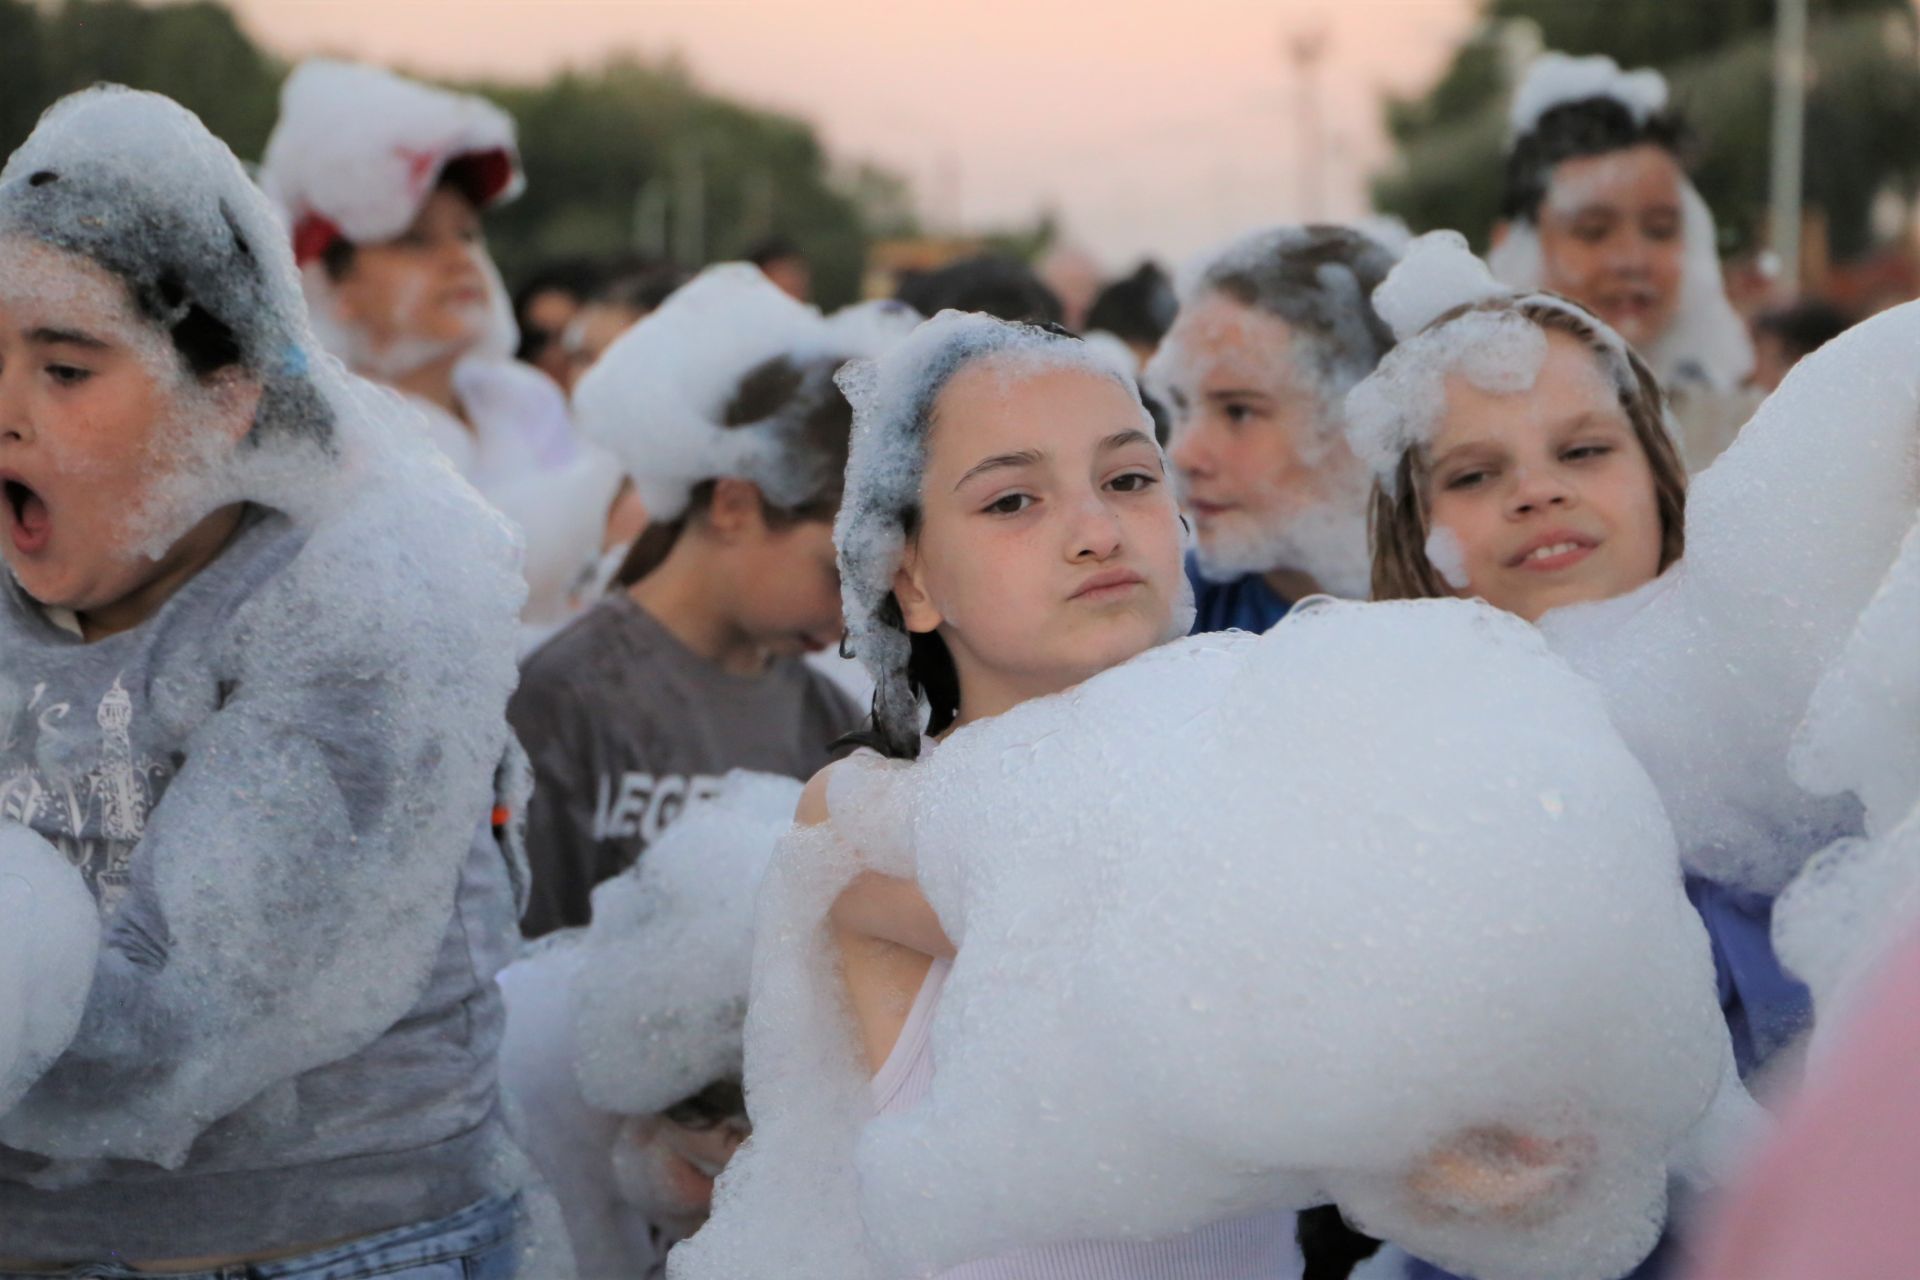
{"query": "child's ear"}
pixel 236 397
pixel 916 606
pixel 735 512
pixel 1499 236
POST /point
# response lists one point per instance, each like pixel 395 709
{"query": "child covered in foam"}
pixel 384 183
pixel 721 405
pixel 1523 459
pixel 258 643
pixel 623 1041
pixel 1597 206
pixel 1011 1019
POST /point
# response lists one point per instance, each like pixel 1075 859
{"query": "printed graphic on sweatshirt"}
pixel 630 804
pixel 94 815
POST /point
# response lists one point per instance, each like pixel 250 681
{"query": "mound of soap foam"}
pixel 1862 735
pixel 49 938
pixel 1243 924
pixel 638 1011
pixel 661 997
pixel 1709 671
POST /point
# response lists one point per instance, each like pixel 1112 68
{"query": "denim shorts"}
pixel 478 1243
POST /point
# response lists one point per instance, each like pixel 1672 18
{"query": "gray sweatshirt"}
pixel 625 725
pixel 281 804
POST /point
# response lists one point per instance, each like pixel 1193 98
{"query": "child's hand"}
pixel 1492 1171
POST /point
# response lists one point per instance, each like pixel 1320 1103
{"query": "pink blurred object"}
pixel 1836 1192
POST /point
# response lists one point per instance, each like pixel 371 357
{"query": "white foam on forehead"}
pixel 1400 405
pixel 1555 79
pixel 887 455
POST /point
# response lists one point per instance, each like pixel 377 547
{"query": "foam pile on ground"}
pixel 1709 671
pixel 1449 874
pixel 49 933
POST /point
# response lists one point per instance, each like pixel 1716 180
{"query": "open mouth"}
pixel 30 523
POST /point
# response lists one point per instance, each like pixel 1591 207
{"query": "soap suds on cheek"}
pixel 1448 557
pixel 121 464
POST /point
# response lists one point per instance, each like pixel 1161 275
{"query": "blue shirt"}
pixel 1245 604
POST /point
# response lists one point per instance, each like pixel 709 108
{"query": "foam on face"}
pixel 1710 671
pixel 893 398
pixel 657 398
pixel 1707 342
pixel 49 935
pixel 1401 404
pixel 1495 936
pixel 1449 559
pixel 404 593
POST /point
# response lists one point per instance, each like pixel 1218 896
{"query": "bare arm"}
pixel 878 907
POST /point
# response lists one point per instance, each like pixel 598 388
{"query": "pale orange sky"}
pixel 1151 125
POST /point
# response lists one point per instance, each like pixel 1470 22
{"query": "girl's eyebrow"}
pixel 1121 439
pixel 1023 458
pixel 67 337
pixel 1238 393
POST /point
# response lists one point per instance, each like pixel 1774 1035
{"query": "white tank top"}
pixel 1257 1248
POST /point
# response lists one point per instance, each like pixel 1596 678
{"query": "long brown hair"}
pixel 1399 524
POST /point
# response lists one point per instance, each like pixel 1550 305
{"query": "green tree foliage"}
pixel 1863 116
pixel 631 156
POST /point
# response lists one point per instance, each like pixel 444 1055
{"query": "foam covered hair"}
pixel 658 397
pixel 1449 314
pixel 893 398
pixel 1556 79
pixel 357 151
pixel 134 182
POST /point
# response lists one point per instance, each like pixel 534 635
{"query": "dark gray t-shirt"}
pixel 624 725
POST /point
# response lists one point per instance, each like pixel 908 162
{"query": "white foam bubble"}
pixel 1790 535
pixel 1555 79
pixel 49 936
pixel 1207 969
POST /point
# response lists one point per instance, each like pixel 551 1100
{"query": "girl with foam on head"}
pixel 258 645
pixel 1597 206
pixel 722 407
pixel 1007 532
pixel 1271 332
pixel 1520 457
pixel 385 184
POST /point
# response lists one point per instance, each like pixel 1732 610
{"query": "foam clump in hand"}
pixel 661 994
pixel 1448 874
pixel 49 938
pixel 1556 79
pixel 1709 671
